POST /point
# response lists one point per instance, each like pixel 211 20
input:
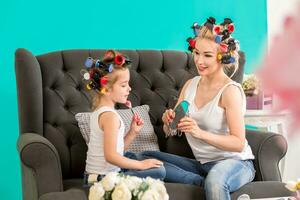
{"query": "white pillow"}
pixel 146 140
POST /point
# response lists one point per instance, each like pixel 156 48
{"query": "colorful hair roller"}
pixel 89 62
pixel 192 43
pixel 109 53
pixel 227 21
pixel 211 20
pixel 86 76
pixel 223 48
pixel 196 28
pixel 127 60
pixel 103 81
pixel 217 30
pixel 219 56
pixel 103 90
pixel 97 63
pixel 218 39
pixel 226 59
pixel 91 85
pixel 225 34
pixel 110 68
pixel 119 60
pixel 232 59
pixel 230 28
pixel 231 44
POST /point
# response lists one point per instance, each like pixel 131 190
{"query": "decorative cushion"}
pixel 146 140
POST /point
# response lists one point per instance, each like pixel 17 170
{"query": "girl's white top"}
pixel 95 162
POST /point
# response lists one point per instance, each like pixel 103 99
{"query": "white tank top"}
pixel 95 161
pixel 211 117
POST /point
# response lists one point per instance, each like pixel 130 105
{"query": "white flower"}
pixel 132 182
pixel 150 195
pixel 160 188
pixel 121 192
pixel 121 187
pixel 110 180
pixel 96 192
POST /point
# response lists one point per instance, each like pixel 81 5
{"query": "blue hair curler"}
pixel 89 62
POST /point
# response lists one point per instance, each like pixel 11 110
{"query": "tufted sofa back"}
pixel 50 93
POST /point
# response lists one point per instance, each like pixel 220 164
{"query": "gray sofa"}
pixel 52 151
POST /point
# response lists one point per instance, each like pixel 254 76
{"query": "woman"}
pixel 215 126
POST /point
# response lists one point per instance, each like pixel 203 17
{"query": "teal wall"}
pixel 44 26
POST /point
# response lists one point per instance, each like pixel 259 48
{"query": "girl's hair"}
pixel 221 34
pixel 100 75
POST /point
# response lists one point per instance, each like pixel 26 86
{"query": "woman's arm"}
pixel 110 124
pixel 232 102
pixel 169 115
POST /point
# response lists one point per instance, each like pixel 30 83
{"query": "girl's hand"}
pixel 168 116
pixel 136 124
pixel 189 125
pixel 150 163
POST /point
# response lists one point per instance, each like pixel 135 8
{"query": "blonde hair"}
pixel 206 33
pixel 112 77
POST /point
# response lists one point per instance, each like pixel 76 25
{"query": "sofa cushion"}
pixel 145 140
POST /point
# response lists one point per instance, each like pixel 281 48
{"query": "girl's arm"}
pixel 232 102
pixel 129 138
pixel 135 127
pixel 110 124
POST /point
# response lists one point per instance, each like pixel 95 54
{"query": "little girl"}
pixel 108 79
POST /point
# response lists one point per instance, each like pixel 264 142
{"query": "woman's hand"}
pixel 150 163
pixel 189 125
pixel 136 124
pixel 168 116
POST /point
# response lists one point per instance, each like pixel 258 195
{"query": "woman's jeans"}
pixel 219 178
pixel 157 173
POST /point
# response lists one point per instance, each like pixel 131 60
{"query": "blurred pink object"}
pixel 280 71
pixel 128 104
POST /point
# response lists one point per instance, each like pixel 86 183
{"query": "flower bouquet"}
pixel 116 186
pixel 251 85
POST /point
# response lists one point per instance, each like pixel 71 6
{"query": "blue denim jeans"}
pixel 157 173
pixel 219 178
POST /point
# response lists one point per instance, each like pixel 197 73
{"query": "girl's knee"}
pixel 158 173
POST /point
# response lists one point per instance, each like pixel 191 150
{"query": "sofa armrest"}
pixel 268 149
pixel 40 166
pixel 72 194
